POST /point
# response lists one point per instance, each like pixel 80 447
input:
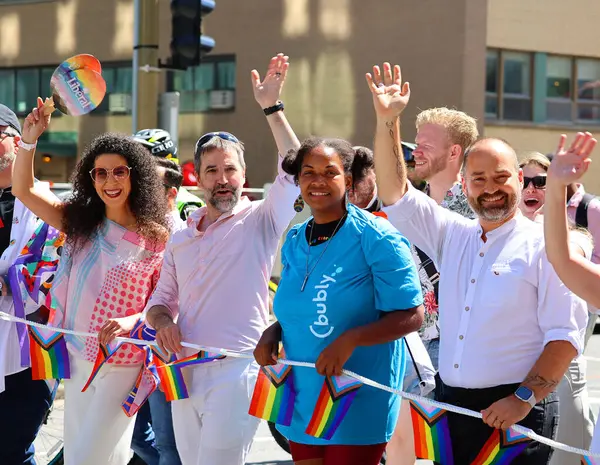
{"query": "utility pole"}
pixel 145 54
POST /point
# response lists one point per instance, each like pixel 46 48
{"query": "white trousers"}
pixel 213 426
pixel 575 425
pixel 97 431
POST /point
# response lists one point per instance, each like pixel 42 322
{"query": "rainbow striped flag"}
pixel 431 433
pixel 335 399
pixel 105 352
pixel 146 384
pixel 48 354
pixel 501 448
pixel 171 375
pixel 589 460
pixel 274 394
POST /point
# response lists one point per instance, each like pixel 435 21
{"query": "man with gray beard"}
pixel 509 328
pixel 213 286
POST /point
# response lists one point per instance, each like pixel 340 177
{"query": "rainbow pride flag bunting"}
pixel 146 384
pixel 171 375
pixel 105 352
pixel 431 433
pixel 589 461
pixel 335 399
pixel 48 354
pixel 501 448
pixel 274 395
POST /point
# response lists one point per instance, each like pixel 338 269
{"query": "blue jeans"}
pixel 411 378
pixel 153 438
pixel 24 405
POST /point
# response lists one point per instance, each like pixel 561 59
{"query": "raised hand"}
pixel 569 165
pixel 35 123
pixel 268 91
pixel 390 96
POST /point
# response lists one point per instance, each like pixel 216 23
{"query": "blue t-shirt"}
pixel 366 270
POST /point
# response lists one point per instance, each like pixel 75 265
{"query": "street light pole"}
pixel 144 111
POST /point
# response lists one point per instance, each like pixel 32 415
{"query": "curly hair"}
pixel 84 212
pixel 292 162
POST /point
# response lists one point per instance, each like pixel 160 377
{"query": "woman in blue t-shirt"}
pixel 349 292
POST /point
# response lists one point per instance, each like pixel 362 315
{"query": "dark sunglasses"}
pixel 539 182
pixel 119 173
pixel 407 152
pixel 221 135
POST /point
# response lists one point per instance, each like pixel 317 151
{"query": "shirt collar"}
pixel 506 228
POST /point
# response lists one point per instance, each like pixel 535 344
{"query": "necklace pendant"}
pixel 304 283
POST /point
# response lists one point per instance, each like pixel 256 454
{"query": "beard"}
pixel 223 205
pixel 495 214
pixel 7 159
pixel 425 173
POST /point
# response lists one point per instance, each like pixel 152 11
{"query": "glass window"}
pixel 28 89
pixel 196 84
pixel 559 84
pixel 7 87
pixel 517 86
pixel 491 84
pixel 588 90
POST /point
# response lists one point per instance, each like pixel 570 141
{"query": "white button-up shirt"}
pixel 500 300
pixel 216 282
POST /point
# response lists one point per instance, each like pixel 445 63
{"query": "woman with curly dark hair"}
pixel 116 232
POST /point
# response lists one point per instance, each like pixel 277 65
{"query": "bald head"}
pixel 499 148
pixel 492 180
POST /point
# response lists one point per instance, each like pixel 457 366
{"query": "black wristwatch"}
pixel 274 109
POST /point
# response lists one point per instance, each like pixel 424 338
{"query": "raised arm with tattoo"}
pixel 579 274
pixel 44 205
pixel 267 93
pixel 390 98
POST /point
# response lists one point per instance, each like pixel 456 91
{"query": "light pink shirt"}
pixel 593 216
pixel 216 282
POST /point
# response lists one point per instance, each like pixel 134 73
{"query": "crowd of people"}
pixel 446 268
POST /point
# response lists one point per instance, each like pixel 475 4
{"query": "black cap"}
pixel 8 118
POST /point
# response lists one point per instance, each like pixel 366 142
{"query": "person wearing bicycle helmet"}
pixel 160 144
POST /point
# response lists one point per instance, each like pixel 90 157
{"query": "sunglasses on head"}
pixel 119 173
pixel 221 135
pixel 539 182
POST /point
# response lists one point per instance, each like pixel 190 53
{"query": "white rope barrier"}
pixel 369 382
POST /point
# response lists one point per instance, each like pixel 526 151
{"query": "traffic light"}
pixel 188 44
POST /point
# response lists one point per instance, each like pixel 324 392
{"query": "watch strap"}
pixel 531 400
pixel 274 109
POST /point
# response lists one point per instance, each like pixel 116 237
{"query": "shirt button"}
pixel 472 281
pixel 461 337
pixel 481 254
pixel 467 309
pixel 456 365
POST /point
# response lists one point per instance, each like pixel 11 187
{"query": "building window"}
pixel 559 89
pixel 20 87
pixel 210 86
pixel 508 85
pixel 588 90
pixel 491 84
pixel 119 87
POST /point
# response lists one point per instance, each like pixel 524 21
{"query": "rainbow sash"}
pixel 333 404
pixel 431 433
pixel 274 395
pixel 48 354
pixel 501 448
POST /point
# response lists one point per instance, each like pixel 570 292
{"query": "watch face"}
pixel 523 393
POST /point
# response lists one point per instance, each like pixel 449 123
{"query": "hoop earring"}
pixel 299 204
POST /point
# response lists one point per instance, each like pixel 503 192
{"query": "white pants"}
pixel 574 423
pixel 213 426
pixel 97 431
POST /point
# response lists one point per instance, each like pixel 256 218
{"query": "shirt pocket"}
pixel 506 286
